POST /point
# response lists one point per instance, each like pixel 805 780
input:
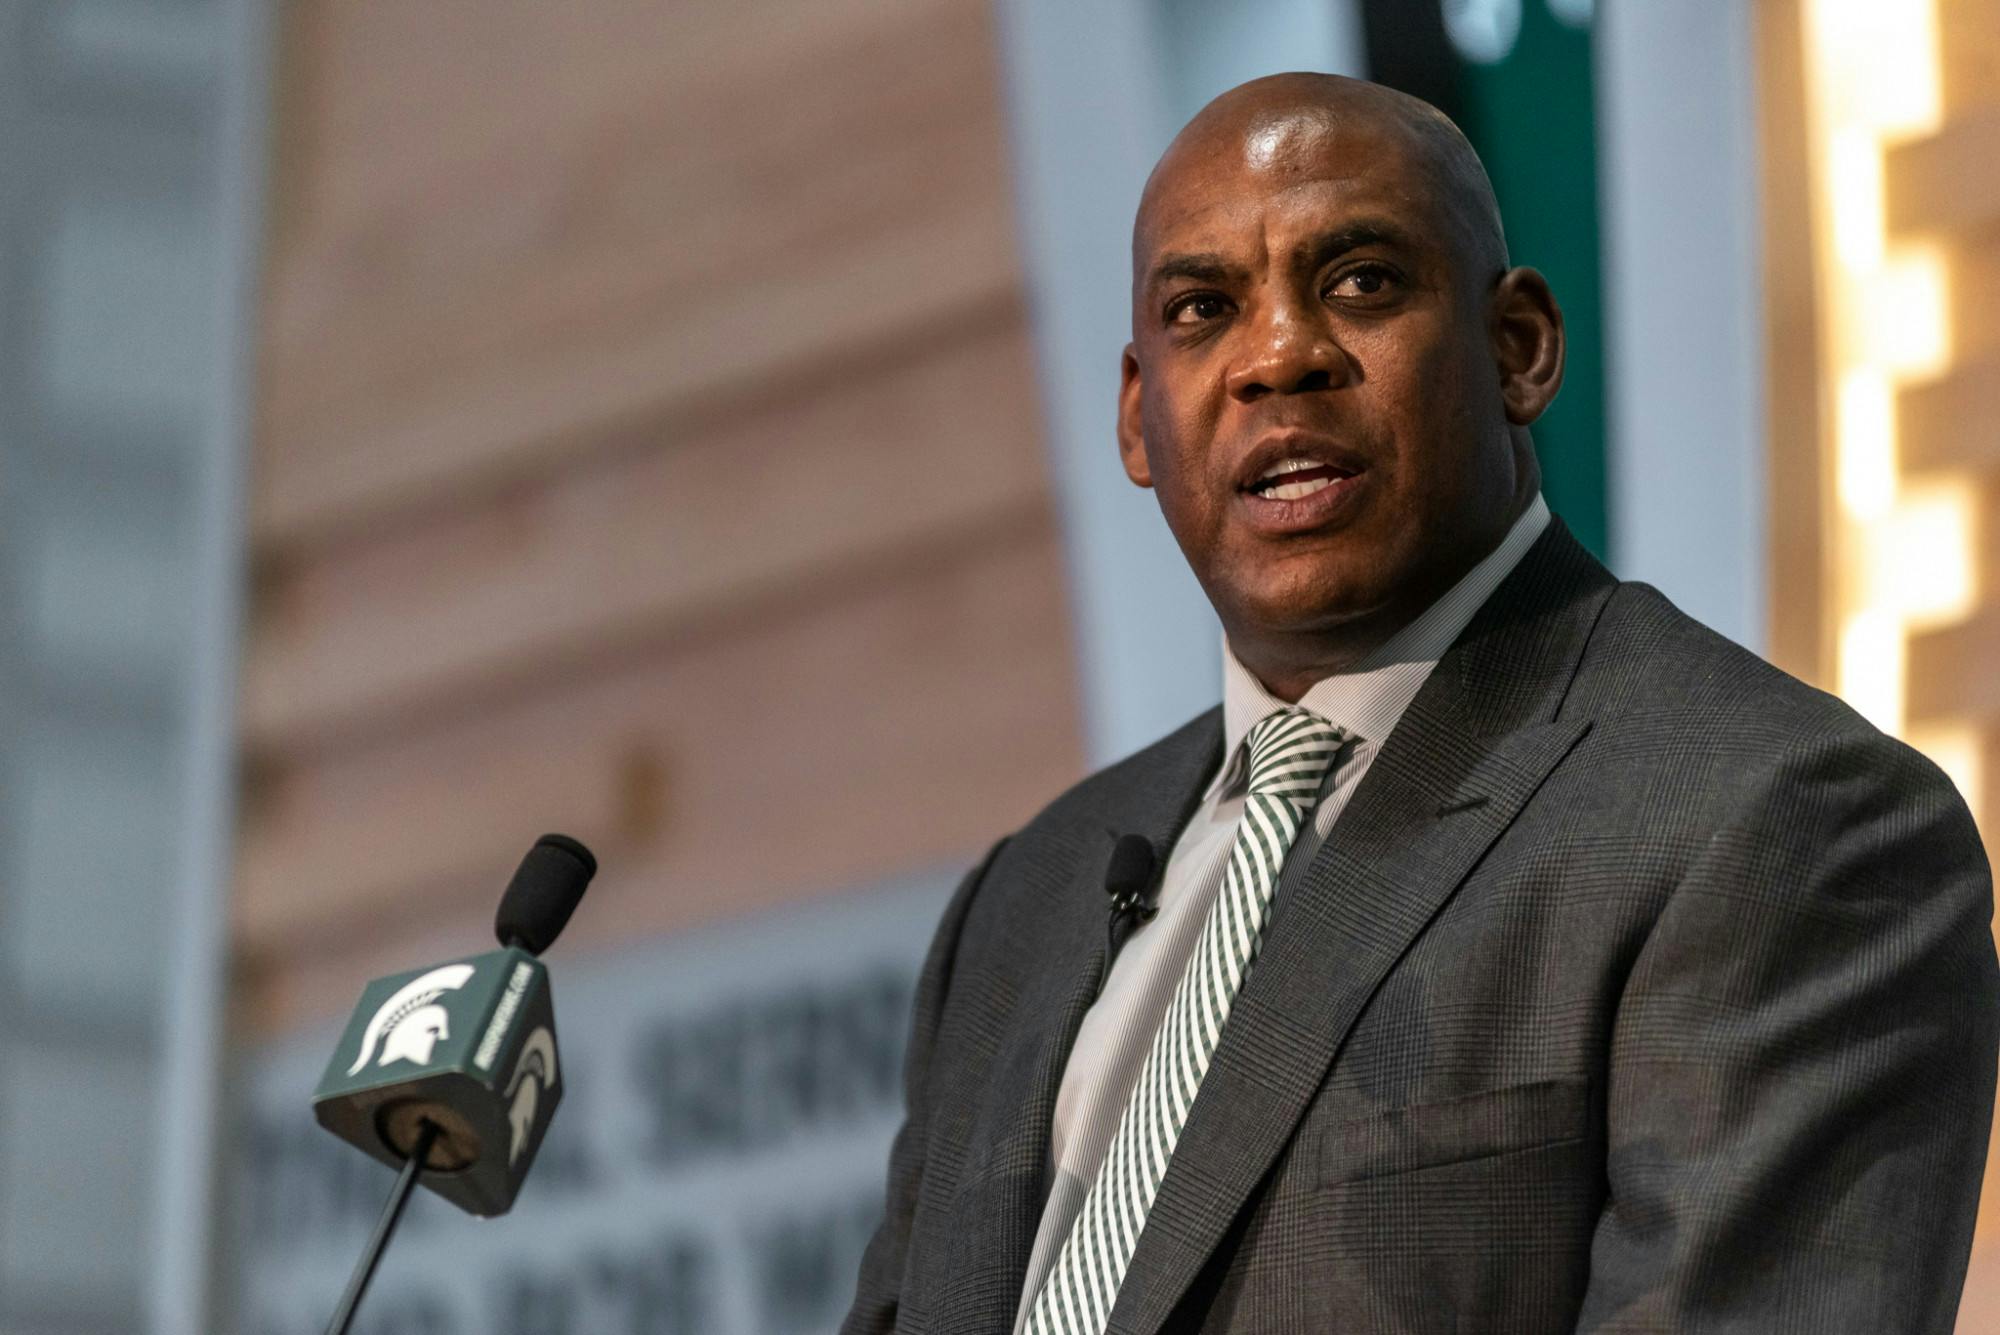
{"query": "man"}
pixel 1527 957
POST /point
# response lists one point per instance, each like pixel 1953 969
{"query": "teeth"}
pixel 1291 491
pixel 1284 466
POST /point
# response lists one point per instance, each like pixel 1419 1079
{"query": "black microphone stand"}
pixel 392 1214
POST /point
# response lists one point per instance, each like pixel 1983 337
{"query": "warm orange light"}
pixel 1872 667
pixel 1905 315
pixel 1901 549
pixel 1876 63
pixel 1865 444
pixel 1920 565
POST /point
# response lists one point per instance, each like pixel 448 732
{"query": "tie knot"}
pixel 1289 753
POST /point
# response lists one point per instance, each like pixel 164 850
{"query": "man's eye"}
pixel 1196 309
pixel 1367 281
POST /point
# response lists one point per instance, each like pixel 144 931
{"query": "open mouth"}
pixel 1295 479
pixel 1297 483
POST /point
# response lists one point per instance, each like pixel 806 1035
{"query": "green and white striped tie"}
pixel 1289 754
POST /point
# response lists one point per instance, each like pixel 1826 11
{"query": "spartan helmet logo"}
pixel 413 1037
pixel 409 1024
pixel 535 1071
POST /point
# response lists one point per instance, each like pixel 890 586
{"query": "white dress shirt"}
pixel 1365 702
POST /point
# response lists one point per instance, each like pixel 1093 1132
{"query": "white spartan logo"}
pixel 409 1024
pixel 535 1071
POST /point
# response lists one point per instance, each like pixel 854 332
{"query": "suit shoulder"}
pixel 1655 668
pixel 1647 656
pixel 1115 798
pixel 1081 822
pixel 1107 793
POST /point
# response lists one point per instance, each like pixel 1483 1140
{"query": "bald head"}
pixel 1333 368
pixel 1291 124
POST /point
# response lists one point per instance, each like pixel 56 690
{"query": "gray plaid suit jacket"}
pixel 1639 988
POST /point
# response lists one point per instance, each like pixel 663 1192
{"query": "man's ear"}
pixel 1527 332
pixel 1131 436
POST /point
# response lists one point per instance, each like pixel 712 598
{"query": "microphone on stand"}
pixel 450 1073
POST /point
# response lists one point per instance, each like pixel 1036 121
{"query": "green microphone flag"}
pixel 469 1046
pixel 450 1073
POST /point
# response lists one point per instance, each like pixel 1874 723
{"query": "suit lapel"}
pixel 1062 941
pixel 1473 747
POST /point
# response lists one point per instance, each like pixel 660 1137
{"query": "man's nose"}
pixel 1287 354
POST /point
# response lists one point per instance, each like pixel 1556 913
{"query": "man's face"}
pixel 1311 388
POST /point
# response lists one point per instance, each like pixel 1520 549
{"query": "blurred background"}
pixel 688 426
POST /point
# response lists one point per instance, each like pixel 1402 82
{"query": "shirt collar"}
pixel 1366 700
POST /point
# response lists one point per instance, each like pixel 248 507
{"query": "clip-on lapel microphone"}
pixel 1128 880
